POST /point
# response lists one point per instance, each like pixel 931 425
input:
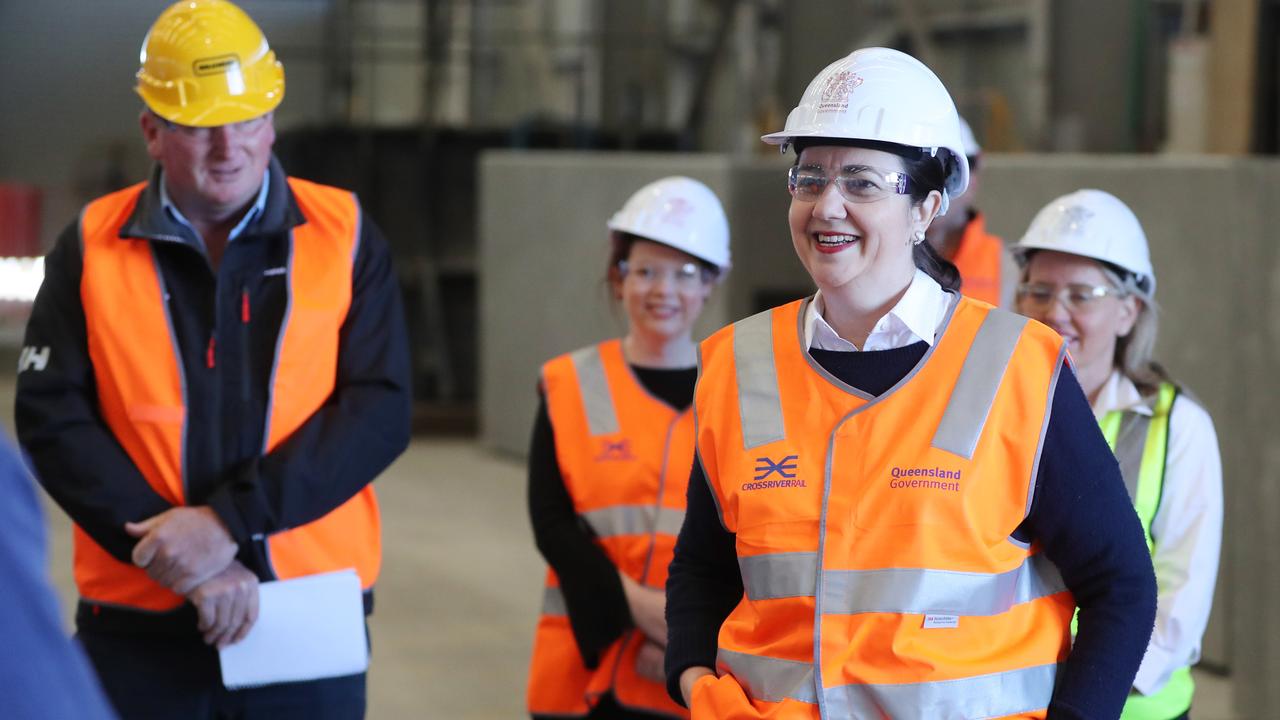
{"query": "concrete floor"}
pixel 459 591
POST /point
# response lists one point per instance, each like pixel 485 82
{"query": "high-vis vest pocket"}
pixel 720 698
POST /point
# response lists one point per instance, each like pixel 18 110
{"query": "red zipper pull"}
pixel 244 306
pixel 208 356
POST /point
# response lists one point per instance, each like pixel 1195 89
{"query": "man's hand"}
pixel 227 604
pixel 648 608
pixel 649 662
pixel 182 547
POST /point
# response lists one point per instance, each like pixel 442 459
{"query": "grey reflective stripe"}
pixel 632 520
pixel 1131 443
pixel 670 521
pixel 919 591
pixel 983 696
pixel 597 401
pixel 1062 360
pixel 275 359
pixel 770 679
pixel 980 377
pixel 553 602
pixel 779 575
pixel 759 404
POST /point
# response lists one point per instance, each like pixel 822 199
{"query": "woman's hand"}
pixel 648 609
pixel 687 680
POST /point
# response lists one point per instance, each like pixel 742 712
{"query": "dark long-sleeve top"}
pixel 593 595
pixel 236 313
pixel 1081 515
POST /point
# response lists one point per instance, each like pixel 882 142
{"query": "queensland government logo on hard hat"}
pixel 835 95
pixel 217 65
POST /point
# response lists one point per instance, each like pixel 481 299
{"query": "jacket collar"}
pixel 149 221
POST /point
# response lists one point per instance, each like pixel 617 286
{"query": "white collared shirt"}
pixel 1187 531
pixel 917 316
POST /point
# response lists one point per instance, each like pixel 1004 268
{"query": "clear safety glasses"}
pixel 244 128
pixel 857 183
pixel 688 276
pixel 1075 297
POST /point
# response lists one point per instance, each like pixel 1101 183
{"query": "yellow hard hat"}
pixel 206 63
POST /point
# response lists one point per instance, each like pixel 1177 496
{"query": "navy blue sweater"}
pixel 1081 515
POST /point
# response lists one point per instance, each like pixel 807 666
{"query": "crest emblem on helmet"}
pixel 1073 219
pixel 835 95
pixel 677 211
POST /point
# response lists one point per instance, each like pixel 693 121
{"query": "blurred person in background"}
pixel 988 271
pixel 1086 273
pixel 610 458
pixel 216 370
pixel 43 674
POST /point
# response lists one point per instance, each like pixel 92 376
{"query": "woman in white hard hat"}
pixel 899 494
pixel 1087 274
pixel 610 458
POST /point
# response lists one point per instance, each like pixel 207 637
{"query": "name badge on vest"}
pixel 941 621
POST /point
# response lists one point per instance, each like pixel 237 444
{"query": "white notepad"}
pixel 308 628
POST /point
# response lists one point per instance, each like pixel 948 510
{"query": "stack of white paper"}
pixel 308 628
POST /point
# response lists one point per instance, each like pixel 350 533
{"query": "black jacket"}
pixel 357 433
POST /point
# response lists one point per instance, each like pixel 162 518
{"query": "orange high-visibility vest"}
pixel 625 457
pixel 978 259
pixel 140 383
pixel 886 521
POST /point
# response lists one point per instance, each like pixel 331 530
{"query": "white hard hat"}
pixel 680 212
pixel 968 140
pixel 882 95
pixel 1092 224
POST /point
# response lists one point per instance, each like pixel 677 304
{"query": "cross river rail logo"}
pixel 920 478
pixel 784 469
pixel 615 451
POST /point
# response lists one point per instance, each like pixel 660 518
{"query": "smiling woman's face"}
pixel 663 291
pixel 842 242
pixel 1092 329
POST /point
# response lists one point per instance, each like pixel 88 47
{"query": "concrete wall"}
pixel 1210 223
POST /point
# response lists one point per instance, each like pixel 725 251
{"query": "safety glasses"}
pixel 686 276
pixel 856 183
pixel 244 128
pixel 1075 297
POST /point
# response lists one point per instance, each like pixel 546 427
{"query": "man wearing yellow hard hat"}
pixel 217 370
